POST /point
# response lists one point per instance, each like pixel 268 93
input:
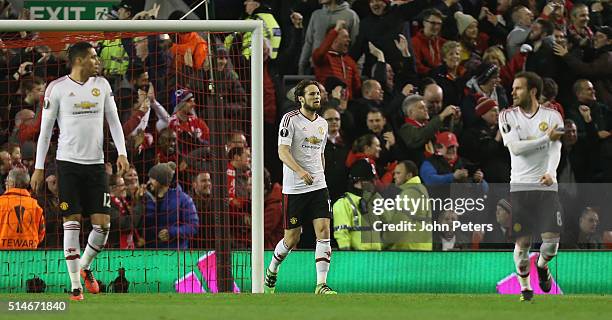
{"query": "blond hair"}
pixel 494 53
pixel 448 46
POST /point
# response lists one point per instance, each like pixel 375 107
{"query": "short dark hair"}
pixel 326 108
pixel 235 151
pixel 547 26
pixel 533 81
pixel 578 85
pixel 363 141
pixel 569 121
pixel 425 82
pixel 411 167
pixel 78 50
pixel 375 110
pixel 432 12
pixel 557 28
pixel 300 89
pixel 550 89
pixel 28 83
pixel 112 179
pixel 588 210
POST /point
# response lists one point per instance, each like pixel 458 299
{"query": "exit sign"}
pixel 68 10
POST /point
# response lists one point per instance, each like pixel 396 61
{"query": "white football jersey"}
pixel 307 141
pixel 79 109
pixel 541 157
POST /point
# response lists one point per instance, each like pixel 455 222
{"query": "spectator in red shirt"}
pixel 15 152
pixel 549 96
pixel 578 33
pixel 124 234
pixel 190 129
pixel 27 126
pixel 238 192
pixel 427 43
pixel 331 59
pixel 238 170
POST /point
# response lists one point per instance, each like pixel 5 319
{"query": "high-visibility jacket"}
pixel 115 60
pixel 22 224
pixel 352 228
pixel 271 31
pixel 410 240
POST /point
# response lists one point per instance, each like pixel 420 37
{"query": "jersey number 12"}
pixel 107 200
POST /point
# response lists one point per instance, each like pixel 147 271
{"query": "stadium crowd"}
pixel 411 91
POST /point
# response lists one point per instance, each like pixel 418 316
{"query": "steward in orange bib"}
pixel 22 224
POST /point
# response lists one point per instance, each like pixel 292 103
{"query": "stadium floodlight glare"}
pixel 254 26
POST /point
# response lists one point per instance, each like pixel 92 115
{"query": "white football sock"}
pixel 521 261
pixel 72 252
pixel 322 259
pixel 280 252
pixel 95 243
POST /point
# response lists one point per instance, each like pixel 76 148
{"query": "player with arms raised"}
pixel 301 144
pixel 79 102
pixel 532 132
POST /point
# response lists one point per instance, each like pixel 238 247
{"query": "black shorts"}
pixel 299 208
pixel 83 188
pixel 535 212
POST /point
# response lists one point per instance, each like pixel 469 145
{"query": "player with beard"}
pixel 79 102
pixel 301 144
pixel 532 131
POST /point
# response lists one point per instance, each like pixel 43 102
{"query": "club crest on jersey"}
pixel 63 206
pixel 95 92
pixel 293 220
pixel 313 140
pixel 543 126
pixel 517 227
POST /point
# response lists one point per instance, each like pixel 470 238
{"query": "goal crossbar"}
pixel 254 26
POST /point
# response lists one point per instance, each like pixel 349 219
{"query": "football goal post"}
pixel 227 88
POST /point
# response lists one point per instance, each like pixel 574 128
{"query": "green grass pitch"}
pixel 312 307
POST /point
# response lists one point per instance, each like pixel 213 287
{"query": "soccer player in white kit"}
pixel 79 102
pixel 532 132
pixel 301 144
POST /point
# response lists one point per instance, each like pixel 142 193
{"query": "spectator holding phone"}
pixel 418 131
pixel 445 166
